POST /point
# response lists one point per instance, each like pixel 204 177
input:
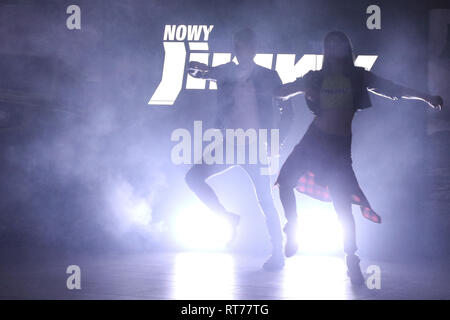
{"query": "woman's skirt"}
pixel 322 161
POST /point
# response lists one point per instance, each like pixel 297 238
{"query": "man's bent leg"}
pixel 196 180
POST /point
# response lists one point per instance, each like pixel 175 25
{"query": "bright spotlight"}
pixel 314 277
pixel 205 276
pixel 319 230
pixel 198 228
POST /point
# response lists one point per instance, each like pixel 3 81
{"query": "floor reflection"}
pixel 216 276
pixel 203 276
pixel 213 276
pixel 314 277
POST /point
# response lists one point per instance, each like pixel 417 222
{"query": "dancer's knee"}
pixel 194 176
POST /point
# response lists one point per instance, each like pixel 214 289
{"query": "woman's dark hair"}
pixel 348 59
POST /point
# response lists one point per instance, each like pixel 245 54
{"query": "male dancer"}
pixel 245 100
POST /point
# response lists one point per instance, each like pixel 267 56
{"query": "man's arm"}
pixel 391 90
pixel 284 107
pixel 290 89
pixel 201 70
pixel 286 118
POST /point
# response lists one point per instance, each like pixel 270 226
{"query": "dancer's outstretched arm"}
pixel 203 71
pixel 291 89
pixel 391 90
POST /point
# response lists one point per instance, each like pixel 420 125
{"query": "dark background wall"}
pixel 85 162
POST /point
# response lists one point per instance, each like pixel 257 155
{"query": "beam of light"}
pixel 203 276
pixel 319 230
pixel 314 277
pixel 198 228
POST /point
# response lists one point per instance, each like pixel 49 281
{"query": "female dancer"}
pixel 320 165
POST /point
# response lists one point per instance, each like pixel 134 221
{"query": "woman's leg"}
pixel 288 201
pixel 343 207
pixel 341 195
pixel 287 180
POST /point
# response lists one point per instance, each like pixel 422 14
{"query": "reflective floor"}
pixel 216 276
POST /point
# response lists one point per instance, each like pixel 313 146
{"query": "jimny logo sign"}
pixel 185 43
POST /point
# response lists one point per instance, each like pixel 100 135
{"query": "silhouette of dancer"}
pixel 245 99
pixel 320 164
